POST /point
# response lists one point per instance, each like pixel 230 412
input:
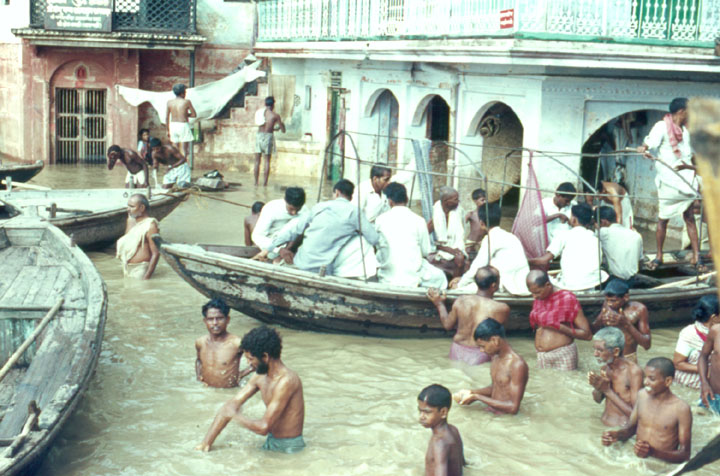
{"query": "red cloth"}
pixel 675 134
pixel 529 224
pixel 561 307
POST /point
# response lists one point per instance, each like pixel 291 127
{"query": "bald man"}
pixel 135 248
pixel 447 223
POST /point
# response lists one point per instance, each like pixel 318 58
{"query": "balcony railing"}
pixel 694 22
pixel 176 16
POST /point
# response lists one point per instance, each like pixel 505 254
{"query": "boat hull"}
pixel 21 172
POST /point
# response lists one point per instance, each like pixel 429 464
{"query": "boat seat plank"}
pixel 20 285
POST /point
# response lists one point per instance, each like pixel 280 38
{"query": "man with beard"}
pixel 620 379
pixel 281 391
pixel 135 248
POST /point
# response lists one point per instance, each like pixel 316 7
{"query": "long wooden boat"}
pixel 301 300
pixel 93 217
pixel 39 265
pixel 20 172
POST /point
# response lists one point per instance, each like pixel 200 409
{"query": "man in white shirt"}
pixel 369 193
pixel 403 245
pixel 621 246
pixel 499 249
pixel 676 180
pixel 557 209
pixel 447 223
pixel 579 251
pixel 276 215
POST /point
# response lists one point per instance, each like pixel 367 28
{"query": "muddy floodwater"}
pixel 144 412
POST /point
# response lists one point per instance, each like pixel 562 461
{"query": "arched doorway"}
pixel 437 130
pixel 386 111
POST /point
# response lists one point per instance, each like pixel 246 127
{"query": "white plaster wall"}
pixel 15 15
pixel 226 23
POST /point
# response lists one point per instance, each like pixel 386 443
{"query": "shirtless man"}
pixel 265 141
pixel 508 372
pixel 281 391
pixel 178 112
pixel 631 317
pixel 219 352
pixel 135 248
pixel 444 456
pixel 620 379
pixel 469 311
pixel 559 320
pixel 616 196
pixel 663 421
pixel 710 377
pixel 137 168
pixel 472 242
pixel 178 170
pixel 250 221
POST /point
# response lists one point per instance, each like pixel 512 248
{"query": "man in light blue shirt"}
pixel 326 229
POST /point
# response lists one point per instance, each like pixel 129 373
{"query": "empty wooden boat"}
pixel 20 172
pixel 49 290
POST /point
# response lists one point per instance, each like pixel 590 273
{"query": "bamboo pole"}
pixel 25 185
pixel 683 282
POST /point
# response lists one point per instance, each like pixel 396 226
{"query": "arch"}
pixel 385 115
pixel 478 117
pixel 421 108
pixel 372 100
pixel 94 68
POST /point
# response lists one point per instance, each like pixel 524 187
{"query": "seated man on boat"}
pixel 557 209
pixel 468 311
pixel 447 223
pixel 621 246
pixel 325 230
pixel 178 171
pixel 619 379
pixel 278 214
pixel 136 249
pixel 280 389
pixel 370 193
pixel 631 317
pixel 501 249
pixel 508 372
pixel 137 168
pixel 558 320
pixel 218 353
pixel 472 242
pixel 579 252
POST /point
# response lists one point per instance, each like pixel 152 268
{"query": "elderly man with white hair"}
pixel 447 223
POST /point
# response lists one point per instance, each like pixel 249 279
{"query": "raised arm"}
pixel 641 333
pixel 282 394
pixel 598 323
pixel 448 320
pixel 226 413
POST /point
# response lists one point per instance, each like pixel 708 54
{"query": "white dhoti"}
pixel 136 270
pixel 349 261
pixel 432 277
pixel 138 178
pixel 128 246
pixel 178 175
pixel 180 132
pixel 676 197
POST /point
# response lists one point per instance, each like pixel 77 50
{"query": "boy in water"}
pixel 218 353
pixel 445 451
pixel 663 422
pixel 249 223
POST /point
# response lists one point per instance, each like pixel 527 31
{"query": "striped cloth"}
pixel 562 358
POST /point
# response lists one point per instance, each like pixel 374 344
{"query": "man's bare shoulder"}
pixel 235 340
pixel 636 306
pixel 200 342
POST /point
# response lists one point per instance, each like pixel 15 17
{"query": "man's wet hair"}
pixel 262 340
pixel 178 89
pixel 256 207
pixel 142 199
pixel 436 396
pixel 142 131
pixel 678 104
pixel 705 307
pixel 217 303
pixel 114 148
pixel 379 171
pixel 478 193
pixel 607 213
pixel 584 214
pixel 295 196
pixel 486 277
pixel 490 214
pixel 155 142
pixel 345 187
pixel 613 338
pixel 664 365
pixel 269 101
pixel 489 328
pixel 566 190
pixel 396 192
pixel 538 277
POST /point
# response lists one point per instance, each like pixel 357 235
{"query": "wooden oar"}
pixel 31 424
pixel 23 347
pixel 25 185
pixel 683 282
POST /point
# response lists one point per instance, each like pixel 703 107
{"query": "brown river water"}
pixel 144 412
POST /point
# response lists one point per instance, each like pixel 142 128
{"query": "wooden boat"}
pixel 301 300
pixel 93 217
pixel 20 172
pixel 42 389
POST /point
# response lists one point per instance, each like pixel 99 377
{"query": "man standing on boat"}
pixel 137 168
pixel 676 180
pixel 178 170
pixel 136 249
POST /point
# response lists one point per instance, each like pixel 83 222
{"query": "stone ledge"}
pixel 115 39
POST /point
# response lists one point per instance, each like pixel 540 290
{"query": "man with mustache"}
pixel 135 248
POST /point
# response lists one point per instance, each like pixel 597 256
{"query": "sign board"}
pixel 79 15
pixel 507 19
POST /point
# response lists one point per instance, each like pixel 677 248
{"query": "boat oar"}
pixel 23 347
pixel 683 282
pixel 709 453
pixel 200 194
pixel 25 185
pixel 31 424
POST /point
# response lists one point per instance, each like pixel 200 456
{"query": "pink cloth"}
pixel 561 307
pixel 675 134
pixel 529 225
pixel 469 355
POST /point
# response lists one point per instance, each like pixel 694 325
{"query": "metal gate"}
pixel 80 125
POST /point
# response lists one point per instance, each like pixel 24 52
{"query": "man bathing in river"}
pixel 631 317
pixel 710 377
pixel 219 352
pixel 469 311
pixel 444 456
pixel 135 248
pixel 558 320
pixel 662 421
pixel 508 372
pixel 137 168
pixel 620 379
pixel 178 170
pixel 281 391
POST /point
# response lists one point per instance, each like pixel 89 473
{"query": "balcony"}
pixel 693 23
